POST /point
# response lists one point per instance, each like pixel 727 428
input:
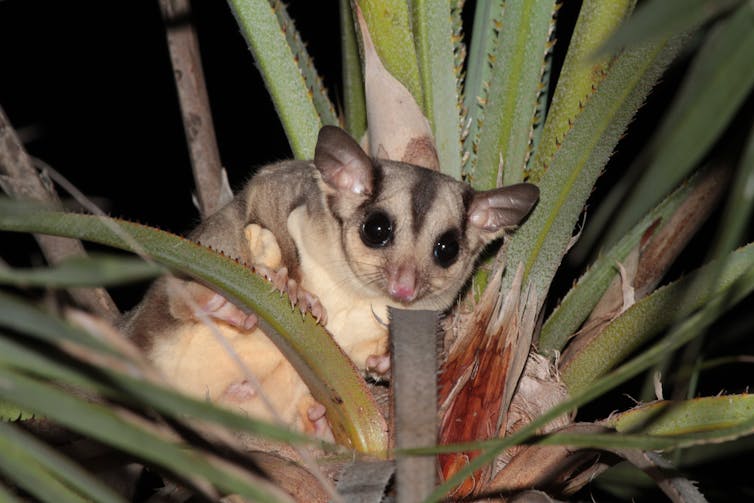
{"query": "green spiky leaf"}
pixel 542 241
pixel 354 104
pixel 657 19
pixel 511 104
pixel 583 297
pixel 651 315
pixel 92 270
pixel 684 332
pixel 579 77
pixel 721 77
pixel 435 50
pixel 278 61
pixel 329 374
pixel 686 417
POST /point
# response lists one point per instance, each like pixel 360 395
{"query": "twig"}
pixel 20 179
pixel 192 94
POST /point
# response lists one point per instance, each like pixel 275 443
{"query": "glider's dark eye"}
pixel 446 249
pixel 376 230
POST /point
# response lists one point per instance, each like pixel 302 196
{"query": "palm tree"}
pixel 566 315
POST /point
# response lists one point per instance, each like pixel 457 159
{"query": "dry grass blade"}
pixel 539 390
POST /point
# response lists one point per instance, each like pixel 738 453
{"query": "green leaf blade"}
pixel 102 423
pixel 13 439
pixel 435 51
pixel 721 77
pixel 662 18
pixel 354 101
pixel 327 371
pixel 651 315
pixel 484 34
pixel 579 302
pixel 519 60
pixel 92 270
pixel 389 23
pixel 541 242
pixel 684 332
pixel 579 77
pixel 314 83
pixel 22 317
pixel 123 386
pixel 686 417
pixel 33 477
pixel 281 73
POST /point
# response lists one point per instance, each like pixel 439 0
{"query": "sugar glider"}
pixel 346 235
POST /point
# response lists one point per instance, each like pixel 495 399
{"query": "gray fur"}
pixel 338 189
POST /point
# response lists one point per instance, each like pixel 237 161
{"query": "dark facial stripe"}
pixel 468 198
pixel 377 176
pixel 423 194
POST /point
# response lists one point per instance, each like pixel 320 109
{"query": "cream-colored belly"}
pixel 356 319
pixel 242 371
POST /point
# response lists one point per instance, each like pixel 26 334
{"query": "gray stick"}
pixel 192 94
pixel 413 353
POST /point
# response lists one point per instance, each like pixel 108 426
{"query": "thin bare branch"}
pixel 20 179
pixel 183 45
